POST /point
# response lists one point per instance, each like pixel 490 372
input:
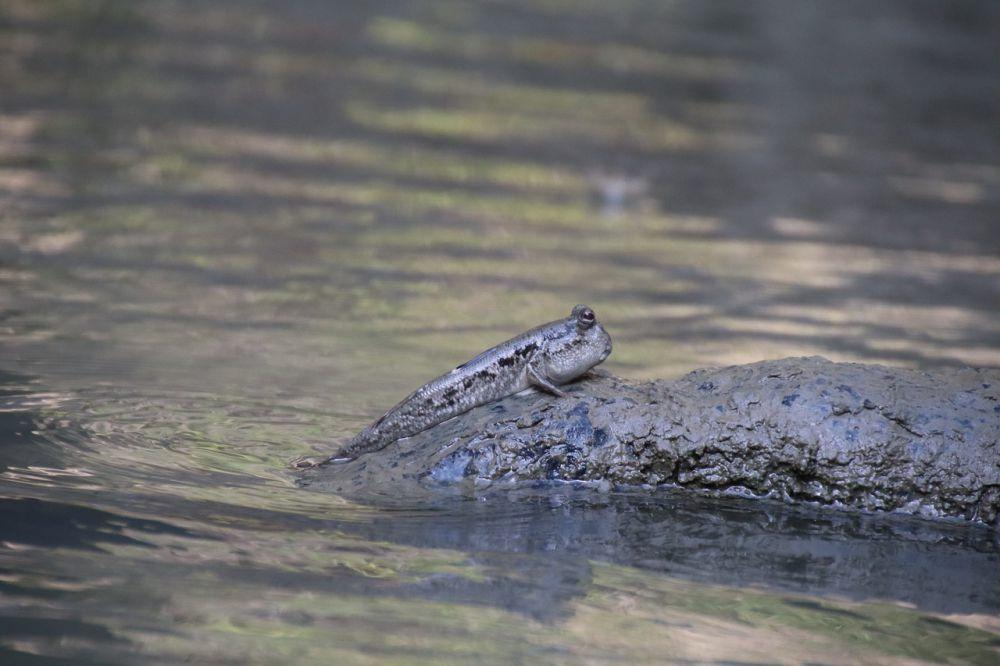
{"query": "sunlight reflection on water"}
pixel 231 236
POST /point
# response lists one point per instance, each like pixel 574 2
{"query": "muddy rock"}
pixel 799 429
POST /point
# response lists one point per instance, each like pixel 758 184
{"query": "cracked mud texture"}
pixel 799 429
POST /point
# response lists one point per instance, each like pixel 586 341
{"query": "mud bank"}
pixel 800 429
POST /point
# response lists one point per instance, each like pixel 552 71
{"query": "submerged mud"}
pixel 800 429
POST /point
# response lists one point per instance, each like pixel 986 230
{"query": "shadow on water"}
pixel 40 524
pixel 544 555
pixel 36 629
pixel 739 543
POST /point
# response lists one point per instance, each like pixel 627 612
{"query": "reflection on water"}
pixel 231 234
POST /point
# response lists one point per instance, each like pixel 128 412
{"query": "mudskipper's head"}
pixel 581 344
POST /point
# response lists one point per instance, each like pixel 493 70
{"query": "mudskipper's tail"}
pixel 344 455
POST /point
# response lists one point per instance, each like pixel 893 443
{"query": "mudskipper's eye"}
pixel 586 316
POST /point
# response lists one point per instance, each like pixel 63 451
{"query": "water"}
pixel 233 233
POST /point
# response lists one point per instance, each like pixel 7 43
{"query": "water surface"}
pixel 233 233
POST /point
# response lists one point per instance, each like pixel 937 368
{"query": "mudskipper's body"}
pixel 543 358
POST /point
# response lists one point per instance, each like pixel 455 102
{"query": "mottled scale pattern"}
pixel 557 352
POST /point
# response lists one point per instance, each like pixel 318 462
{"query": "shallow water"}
pixel 233 233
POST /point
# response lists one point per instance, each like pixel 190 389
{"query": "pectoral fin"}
pixel 539 381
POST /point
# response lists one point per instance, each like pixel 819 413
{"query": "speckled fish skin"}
pixel 544 357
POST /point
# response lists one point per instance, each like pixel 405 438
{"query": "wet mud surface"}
pixel 802 429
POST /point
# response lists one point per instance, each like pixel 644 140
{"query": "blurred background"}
pixel 232 233
pixel 283 183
